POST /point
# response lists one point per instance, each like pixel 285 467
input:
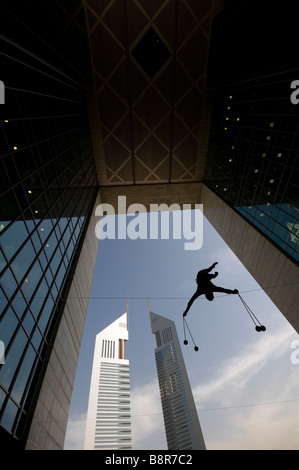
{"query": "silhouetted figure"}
pixel 205 286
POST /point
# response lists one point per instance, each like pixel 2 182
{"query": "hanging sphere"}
pixel 258 328
pixel 263 328
pixel 196 348
pixel 185 342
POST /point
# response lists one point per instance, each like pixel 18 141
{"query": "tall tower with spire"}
pixel 181 421
pixel 108 424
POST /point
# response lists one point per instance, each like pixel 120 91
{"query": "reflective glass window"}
pixel 8 326
pixel 13 238
pixel 28 322
pixel 23 374
pixel 2 261
pixel 32 279
pixel 12 358
pixel 8 283
pixel 39 298
pixel 36 338
pixel 3 301
pixel 9 415
pixel 23 260
pixel 46 314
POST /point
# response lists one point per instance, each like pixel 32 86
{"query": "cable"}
pixel 258 326
pixel 178 298
pixel 197 410
pixel 185 340
pixel 98 297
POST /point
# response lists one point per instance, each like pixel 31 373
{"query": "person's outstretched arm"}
pixel 211 267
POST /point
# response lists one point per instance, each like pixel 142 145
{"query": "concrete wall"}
pixel 146 194
pixel 49 424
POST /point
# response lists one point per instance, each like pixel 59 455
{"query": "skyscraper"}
pixel 108 424
pixel 181 421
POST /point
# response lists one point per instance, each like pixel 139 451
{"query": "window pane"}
pixel 19 305
pixel 23 260
pixel 9 415
pixel 13 238
pixel 43 322
pixel 8 283
pixel 12 358
pixel 32 279
pixel 8 326
pixel 39 298
pixel 28 322
pixel 23 374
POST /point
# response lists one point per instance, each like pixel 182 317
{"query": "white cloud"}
pixel 262 373
pixel 75 432
pixel 148 430
pixel 238 371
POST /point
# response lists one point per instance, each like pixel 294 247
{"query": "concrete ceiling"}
pixel 146 113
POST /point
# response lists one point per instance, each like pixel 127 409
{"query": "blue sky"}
pixel 244 383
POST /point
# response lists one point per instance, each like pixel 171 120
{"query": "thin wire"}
pixel 182 298
pixel 184 328
pixel 39 71
pixel 197 410
pixel 96 297
pixel 43 94
pixel 4 38
pixel 250 312
pixel 184 320
pixel 40 38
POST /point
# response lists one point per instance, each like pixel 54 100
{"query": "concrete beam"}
pixel 179 193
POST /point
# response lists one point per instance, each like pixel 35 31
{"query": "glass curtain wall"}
pixel 48 188
pixel 253 155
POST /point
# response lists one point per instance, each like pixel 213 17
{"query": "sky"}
pixel 244 383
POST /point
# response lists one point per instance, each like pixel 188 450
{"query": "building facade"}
pixel 253 155
pixel 108 422
pixel 48 192
pixel 181 421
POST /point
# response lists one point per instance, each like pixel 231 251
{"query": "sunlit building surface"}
pixel 181 421
pixel 108 422
pixel 153 101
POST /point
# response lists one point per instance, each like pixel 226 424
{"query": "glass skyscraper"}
pixel 48 188
pixel 108 422
pixel 253 156
pixel 181 421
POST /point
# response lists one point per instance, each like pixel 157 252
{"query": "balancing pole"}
pixel 185 340
pixel 258 326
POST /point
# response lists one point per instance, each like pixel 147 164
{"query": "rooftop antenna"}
pixel 148 305
pixel 127 308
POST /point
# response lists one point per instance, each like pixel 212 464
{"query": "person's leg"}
pixel 226 291
pixel 194 297
pixel 209 295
